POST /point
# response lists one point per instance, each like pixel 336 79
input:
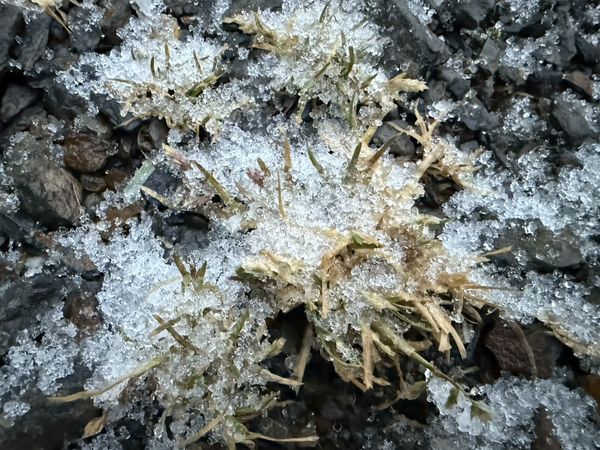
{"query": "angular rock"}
pixel 10 21
pixel 48 193
pixel 410 39
pixel 34 41
pixel 62 104
pixel 530 352
pixel 476 116
pixel 116 15
pixel 580 82
pixel 21 300
pixel 85 33
pixel 471 13
pixel 402 146
pixel 490 53
pixel 545 249
pixel 16 99
pixel 568 47
pixel 590 52
pixel 571 119
pixel 457 85
pixel 186 230
pixel 544 83
pixel 49 426
pixel 22 122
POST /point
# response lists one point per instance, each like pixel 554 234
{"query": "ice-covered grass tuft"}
pixel 306 213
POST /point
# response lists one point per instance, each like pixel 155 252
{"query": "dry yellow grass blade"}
pixel 367 349
pixel 299 440
pixel 303 354
pixel 90 394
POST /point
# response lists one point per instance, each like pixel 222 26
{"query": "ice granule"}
pixel 13 409
pixel 520 120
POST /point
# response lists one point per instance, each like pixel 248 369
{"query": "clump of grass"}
pixel 315 220
pixel 323 61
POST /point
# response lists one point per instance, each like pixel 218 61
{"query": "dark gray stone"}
pixel 116 15
pixel 21 122
pixel 544 249
pixel 470 14
pixel 112 111
pixel 185 230
pixel 568 47
pixel 410 39
pixel 16 227
pixel 16 99
pixel 48 193
pixel 401 146
pixel 85 34
pixel 10 21
pixel 436 91
pixel 544 83
pixel 490 53
pixel 456 85
pixel 476 117
pixel 571 119
pixel 23 299
pixel 589 52
pixel 34 41
pixel 62 104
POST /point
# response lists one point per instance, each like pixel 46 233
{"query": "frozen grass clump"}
pixel 158 73
pixel 326 54
pixel 513 404
pixel 307 214
pixel 186 330
pixel 318 53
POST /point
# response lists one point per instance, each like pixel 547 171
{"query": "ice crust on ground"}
pixel 513 403
pixel 292 199
pixel 532 198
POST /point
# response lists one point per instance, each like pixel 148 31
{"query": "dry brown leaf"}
pixel 95 426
